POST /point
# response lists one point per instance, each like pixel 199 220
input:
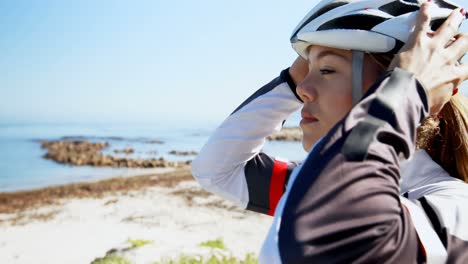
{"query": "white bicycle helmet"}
pixel 364 26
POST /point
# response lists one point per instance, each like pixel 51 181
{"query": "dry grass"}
pixel 189 194
pixel 20 201
pixel 23 219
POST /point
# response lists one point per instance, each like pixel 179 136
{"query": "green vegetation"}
pixel 214 258
pixel 111 259
pixel 139 242
pixel 249 259
pixel 218 243
pixel 219 255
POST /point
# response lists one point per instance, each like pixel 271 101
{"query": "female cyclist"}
pixel 342 203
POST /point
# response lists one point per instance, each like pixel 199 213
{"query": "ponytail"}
pixel 446 139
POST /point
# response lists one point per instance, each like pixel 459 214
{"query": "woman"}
pixel 342 205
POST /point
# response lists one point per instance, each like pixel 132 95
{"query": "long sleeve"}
pixel 231 163
pixel 343 203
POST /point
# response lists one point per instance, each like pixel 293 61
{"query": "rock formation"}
pixel 85 153
pixel 287 134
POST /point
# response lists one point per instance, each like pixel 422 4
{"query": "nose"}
pixel 306 90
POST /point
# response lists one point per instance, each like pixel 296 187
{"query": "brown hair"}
pixel 382 59
pixel 444 139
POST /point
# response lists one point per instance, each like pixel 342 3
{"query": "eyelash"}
pixel 325 71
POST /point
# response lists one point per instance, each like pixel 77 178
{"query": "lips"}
pixel 307 118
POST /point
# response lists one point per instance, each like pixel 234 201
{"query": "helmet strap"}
pixel 358 63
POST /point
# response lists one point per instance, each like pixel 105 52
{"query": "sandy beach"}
pixel 144 219
pixel 79 223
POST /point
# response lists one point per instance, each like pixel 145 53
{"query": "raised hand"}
pixel 433 56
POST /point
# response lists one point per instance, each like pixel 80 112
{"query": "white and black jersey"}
pixel 343 203
pixel 231 164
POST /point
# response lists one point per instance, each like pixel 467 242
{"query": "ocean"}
pixel 22 166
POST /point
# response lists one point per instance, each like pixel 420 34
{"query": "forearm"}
pixel 222 162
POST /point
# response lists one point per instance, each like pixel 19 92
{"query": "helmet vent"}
pixel 361 21
pixel 411 1
pixel 445 4
pixel 399 8
pixel 436 23
pixel 320 12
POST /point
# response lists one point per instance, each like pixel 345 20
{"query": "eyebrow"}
pixel 325 53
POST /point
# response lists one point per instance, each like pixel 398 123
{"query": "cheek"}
pixel 338 110
pixel 337 103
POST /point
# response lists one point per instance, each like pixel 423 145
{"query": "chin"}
pixel 307 145
pixel 309 141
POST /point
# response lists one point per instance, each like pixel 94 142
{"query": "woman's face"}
pixel 327 90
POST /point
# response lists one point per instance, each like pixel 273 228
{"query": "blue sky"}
pixel 141 61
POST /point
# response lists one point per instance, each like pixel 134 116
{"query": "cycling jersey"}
pixel 342 204
pixel 231 163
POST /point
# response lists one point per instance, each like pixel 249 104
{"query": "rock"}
pixel 85 153
pixel 126 151
pixel 183 153
pixel 287 134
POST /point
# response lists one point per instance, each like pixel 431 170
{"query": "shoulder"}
pixel 421 176
pixel 452 189
pixel 447 197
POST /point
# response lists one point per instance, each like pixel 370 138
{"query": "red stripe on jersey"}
pixel 277 182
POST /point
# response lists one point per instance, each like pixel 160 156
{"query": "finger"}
pixel 464 70
pixel 459 47
pixel 456 74
pixel 423 21
pixel 450 27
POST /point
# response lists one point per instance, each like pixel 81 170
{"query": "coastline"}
pixel 18 201
pixel 164 209
pixel 82 222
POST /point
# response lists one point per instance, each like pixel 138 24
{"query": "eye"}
pixel 326 71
